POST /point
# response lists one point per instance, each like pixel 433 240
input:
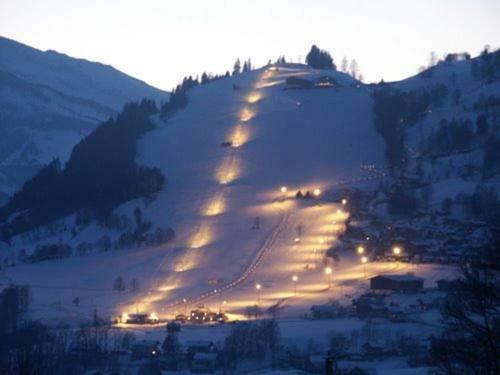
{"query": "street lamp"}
pixel 344 202
pixel 258 287
pixel 284 189
pixel 317 192
pixel 328 273
pixel 361 250
pixel 396 250
pixel 364 260
pixel 295 278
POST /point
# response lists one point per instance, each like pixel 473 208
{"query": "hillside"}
pixel 235 159
pixel 49 101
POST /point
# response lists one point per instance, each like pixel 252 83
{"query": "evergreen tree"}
pixel 343 66
pixel 353 68
pixel 237 67
pixel 319 59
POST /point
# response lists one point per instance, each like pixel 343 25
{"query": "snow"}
pixel 49 101
pixel 302 139
pixel 77 77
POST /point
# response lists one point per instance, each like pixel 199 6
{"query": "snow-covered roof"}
pixel 399 278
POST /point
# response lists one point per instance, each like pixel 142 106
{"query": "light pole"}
pixel 185 305
pixel 396 250
pixel 364 260
pixel 284 189
pixel 344 202
pixel 295 278
pixel 361 250
pixel 328 273
pixel 258 287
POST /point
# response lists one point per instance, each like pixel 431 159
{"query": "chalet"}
pixel 298 83
pixel 399 283
pixel 370 305
pixel 139 319
pixel 325 82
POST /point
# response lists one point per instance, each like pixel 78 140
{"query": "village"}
pixel 392 321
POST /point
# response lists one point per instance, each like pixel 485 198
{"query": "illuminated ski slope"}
pixel 302 139
pixel 215 195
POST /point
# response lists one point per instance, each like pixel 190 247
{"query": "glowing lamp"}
pixel 153 316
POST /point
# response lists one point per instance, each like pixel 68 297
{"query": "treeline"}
pixel 458 136
pixel 139 234
pixel 395 110
pixel 100 175
pixel 29 347
pixel 469 340
pixel 178 99
pixel 487 66
pixel 319 59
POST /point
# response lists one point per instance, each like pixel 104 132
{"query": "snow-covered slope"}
pixel 226 158
pixel 452 172
pixel 49 101
pixel 306 139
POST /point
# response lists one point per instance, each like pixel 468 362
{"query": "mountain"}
pixel 279 172
pixel 49 101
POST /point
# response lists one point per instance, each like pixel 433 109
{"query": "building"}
pixel 370 305
pixel 399 283
pixel 325 82
pixel 298 83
